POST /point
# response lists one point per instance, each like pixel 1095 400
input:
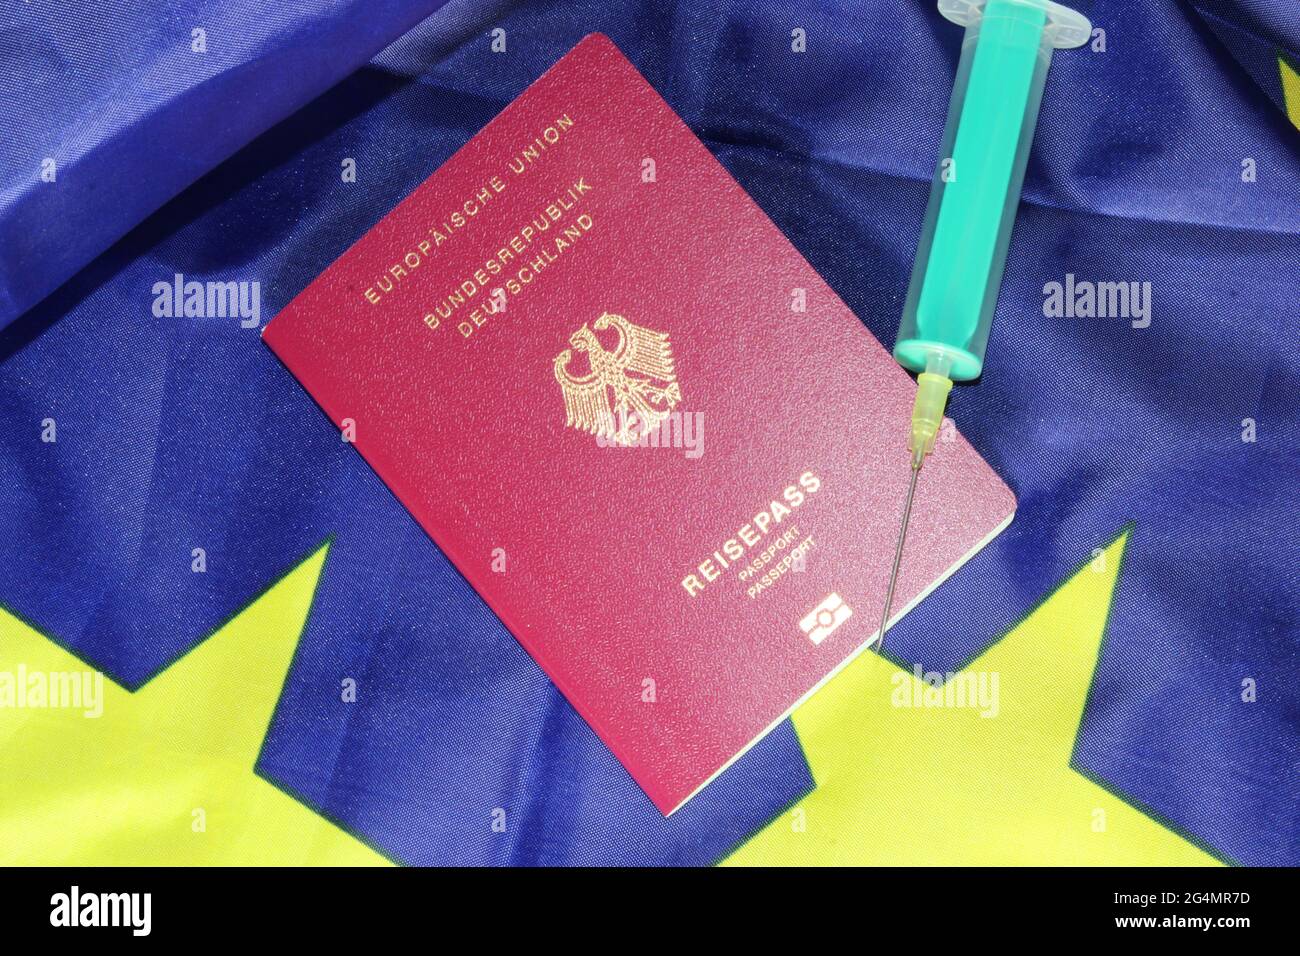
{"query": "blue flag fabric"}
pixel 1264 37
pixel 1157 163
pixel 125 104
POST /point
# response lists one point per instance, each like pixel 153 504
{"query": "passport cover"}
pixel 665 453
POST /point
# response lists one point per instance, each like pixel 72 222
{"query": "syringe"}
pixel 963 249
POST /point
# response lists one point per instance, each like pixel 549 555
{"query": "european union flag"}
pixel 252 143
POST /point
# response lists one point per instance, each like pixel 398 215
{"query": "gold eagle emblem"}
pixel 628 390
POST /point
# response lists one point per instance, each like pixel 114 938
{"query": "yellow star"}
pixel 1290 90
pixel 165 775
pixel 945 785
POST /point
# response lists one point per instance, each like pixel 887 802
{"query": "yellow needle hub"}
pixel 927 414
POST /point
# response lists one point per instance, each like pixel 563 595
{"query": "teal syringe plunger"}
pixel 967 228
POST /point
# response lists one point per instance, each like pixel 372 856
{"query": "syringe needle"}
pixel 932 387
pixel 898 550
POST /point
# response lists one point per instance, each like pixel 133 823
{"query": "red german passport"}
pixel 664 452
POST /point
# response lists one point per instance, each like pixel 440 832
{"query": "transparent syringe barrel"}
pixel 967 228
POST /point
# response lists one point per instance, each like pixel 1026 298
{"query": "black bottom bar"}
pixel 301 906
